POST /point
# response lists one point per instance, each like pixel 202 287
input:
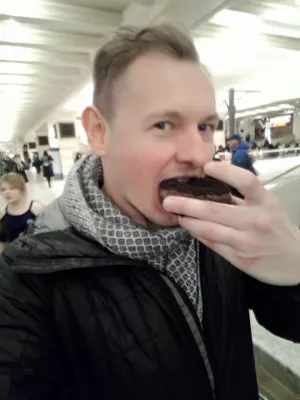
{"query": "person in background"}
pixel 8 164
pixel 37 163
pixel 26 157
pixel 20 212
pixel 19 167
pixel 254 146
pixel 266 144
pixel 78 156
pixel 47 167
pixel 240 158
pixel 240 153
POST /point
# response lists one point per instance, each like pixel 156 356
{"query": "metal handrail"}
pixel 267 151
pixel 282 174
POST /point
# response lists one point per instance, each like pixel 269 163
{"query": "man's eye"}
pixel 163 125
pixel 206 127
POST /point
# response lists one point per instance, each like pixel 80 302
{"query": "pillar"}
pixel 231 112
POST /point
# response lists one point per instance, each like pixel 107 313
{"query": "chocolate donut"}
pixel 197 188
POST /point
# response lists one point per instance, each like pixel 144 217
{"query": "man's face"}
pixel 233 144
pixel 163 127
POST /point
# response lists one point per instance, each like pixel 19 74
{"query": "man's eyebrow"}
pixel 164 114
pixel 176 115
pixel 213 117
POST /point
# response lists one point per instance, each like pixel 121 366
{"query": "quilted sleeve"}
pixel 277 308
pixel 29 365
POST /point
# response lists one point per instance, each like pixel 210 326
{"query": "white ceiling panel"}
pixel 253 46
pixel 46 52
pixel 115 5
pixel 47 47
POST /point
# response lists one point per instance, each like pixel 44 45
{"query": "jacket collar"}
pixel 59 250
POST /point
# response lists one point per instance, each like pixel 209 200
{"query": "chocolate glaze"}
pixel 197 188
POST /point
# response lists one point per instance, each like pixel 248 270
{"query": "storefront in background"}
pixel 274 128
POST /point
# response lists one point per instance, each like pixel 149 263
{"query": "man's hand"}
pixel 255 235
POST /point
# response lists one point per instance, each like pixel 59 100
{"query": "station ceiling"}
pixel 47 48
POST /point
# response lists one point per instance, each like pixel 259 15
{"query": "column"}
pixel 231 112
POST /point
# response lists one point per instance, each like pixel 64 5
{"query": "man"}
pixel 240 153
pixel 116 296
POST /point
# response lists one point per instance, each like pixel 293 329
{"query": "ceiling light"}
pixel 237 19
pixel 284 105
pixel 11 30
pixel 12 23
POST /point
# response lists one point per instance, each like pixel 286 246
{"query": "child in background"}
pixel 20 212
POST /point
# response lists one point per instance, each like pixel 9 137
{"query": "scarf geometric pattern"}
pixel 171 251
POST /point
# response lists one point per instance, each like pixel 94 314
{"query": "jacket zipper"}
pixel 199 297
pixel 198 322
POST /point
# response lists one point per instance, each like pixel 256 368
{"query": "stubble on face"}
pixel 139 156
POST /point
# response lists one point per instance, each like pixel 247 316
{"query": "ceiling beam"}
pixel 35 86
pixel 216 31
pixel 27 54
pixel 20 68
pixel 29 78
pixel 189 12
pixel 260 9
pixel 50 112
pixel 290 3
pixel 26 91
pixel 29 34
pixel 65 13
pixel 193 13
pixel 142 13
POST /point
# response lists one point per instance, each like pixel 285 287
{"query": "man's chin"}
pixel 167 220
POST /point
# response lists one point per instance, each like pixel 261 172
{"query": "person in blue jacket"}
pixel 240 153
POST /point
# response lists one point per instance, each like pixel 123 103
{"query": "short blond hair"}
pixel 114 58
pixel 16 181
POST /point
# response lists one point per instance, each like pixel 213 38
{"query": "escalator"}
pixel 277 360
pixel 286 187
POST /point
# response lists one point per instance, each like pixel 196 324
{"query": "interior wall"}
pixel 296 126
pixel 219 138
pixel 68 146
pixel 67 149
pixel 246 125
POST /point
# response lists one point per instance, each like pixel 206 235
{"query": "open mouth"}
pixel 206 188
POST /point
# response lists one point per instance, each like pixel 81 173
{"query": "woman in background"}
pixel 37 163
pixel 47 167
pixel 19 167
pixel 20 212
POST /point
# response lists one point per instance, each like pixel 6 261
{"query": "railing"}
pixel 264 154
pixel 288 171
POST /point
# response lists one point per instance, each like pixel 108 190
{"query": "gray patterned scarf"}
pixel 172 251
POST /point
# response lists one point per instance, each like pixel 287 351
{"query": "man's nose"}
pixel 192 149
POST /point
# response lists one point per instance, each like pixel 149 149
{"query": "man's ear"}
pixel 96 129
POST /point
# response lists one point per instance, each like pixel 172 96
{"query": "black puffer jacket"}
pixel 78 323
